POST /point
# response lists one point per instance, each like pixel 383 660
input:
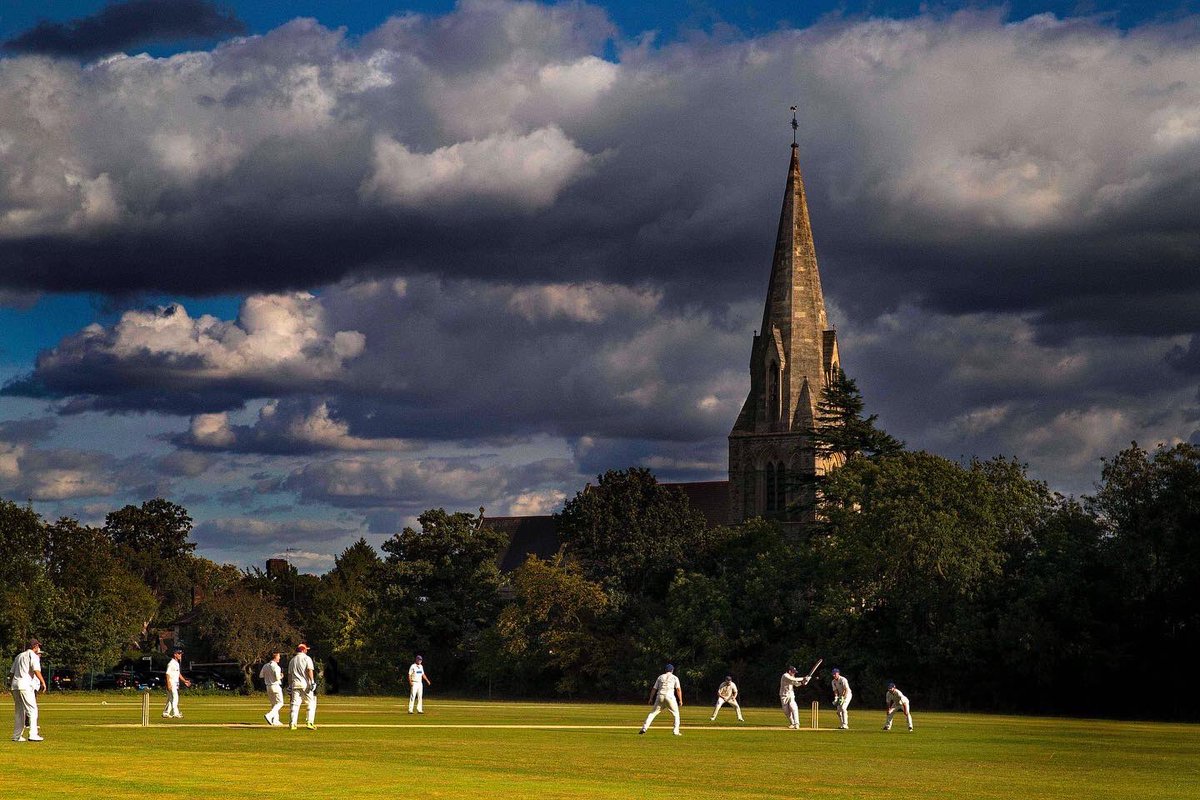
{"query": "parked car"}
pixel 208 679
pixel 61 678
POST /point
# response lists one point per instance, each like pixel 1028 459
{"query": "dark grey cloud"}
pixel 297 158
pixel 27 431
pixel 132 23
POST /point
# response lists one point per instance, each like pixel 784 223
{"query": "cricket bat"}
pixel 814 669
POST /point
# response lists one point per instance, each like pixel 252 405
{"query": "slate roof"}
pixel 710 498
pixel 526 535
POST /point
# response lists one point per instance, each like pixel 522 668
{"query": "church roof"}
pixel 710 498
pixel 527 536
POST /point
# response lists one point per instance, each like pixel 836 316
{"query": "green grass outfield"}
pixel 369 747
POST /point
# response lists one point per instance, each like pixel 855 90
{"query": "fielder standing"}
pixel 416 685
pixel 895 699
pixel 173 679
pixel 304 685
pixel 26 681
pixel 841 698
pixel 272 678
pixel 787 696
pixel 727 692
pixel 666 692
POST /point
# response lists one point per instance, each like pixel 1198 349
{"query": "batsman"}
pixel 788 682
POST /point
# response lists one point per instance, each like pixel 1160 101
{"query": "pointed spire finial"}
pixel 794 125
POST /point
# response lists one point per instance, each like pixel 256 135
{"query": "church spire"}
pixel 792 360
pixel 794 312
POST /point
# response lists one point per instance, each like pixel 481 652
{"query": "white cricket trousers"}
pixel 311 697
pixel 275 695
pixel 25 712
pixel 892 712
pixel 667 700
pixel 843 710
pixel 172 709
pixel 416 696
pixel 733 703
pixel 791 711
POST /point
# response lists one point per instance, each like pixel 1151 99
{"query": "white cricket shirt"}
pixel 172 674
pixel 271 674
pixel 666 684
pixel 787 687
pixel 415 673
pixel 23 668
pixel 298 669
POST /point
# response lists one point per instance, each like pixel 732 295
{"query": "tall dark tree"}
pixel 631 533
pixel 439 590
pixel 103 608
pixel 25 590
pixel 1150 505
pixel 911 546
pixel 841 431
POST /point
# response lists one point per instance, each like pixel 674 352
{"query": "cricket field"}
pixel 366 747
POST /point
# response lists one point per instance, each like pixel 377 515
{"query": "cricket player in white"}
pixel 416 685
pixel 272 678
pixel 26 681
pixel 304 685
pixel 666 692
pixel 727 692
pixel 173 679
pixel 788 682
pixel 895 699
pixel 841 698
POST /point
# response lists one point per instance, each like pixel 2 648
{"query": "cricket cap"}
pixel 837 671
pixel 302 646
pixel 420 659
pixel 728 677
pixel 891 684
pixel 178 650
pixel 670 667
pixel 791 669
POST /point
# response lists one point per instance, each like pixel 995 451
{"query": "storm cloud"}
pixel 961 162
pixel 132 23
pixel 485 256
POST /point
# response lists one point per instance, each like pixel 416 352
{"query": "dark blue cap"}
pixel 670 667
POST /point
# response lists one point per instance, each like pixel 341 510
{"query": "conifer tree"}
pixel 842 430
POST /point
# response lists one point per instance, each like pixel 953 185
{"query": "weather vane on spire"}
pixel 794 125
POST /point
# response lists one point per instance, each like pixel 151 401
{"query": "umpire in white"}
pixel 304 686
pixel 26 681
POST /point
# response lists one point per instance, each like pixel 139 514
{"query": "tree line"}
pixel 971 585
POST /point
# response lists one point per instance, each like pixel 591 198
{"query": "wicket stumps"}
pixel 816 708
pixel 146 709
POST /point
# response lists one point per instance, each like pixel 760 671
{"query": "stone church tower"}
pixel 792 360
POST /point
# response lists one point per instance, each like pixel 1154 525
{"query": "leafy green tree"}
pixel 153 541
pixel 1053 632
pixel 631 533
pixel 439 590
pixel 102 609
pixel 551 625
pixel 1150 506
pixel 25 591
pixel 911 549
pixel 344 597
pixel 245 627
